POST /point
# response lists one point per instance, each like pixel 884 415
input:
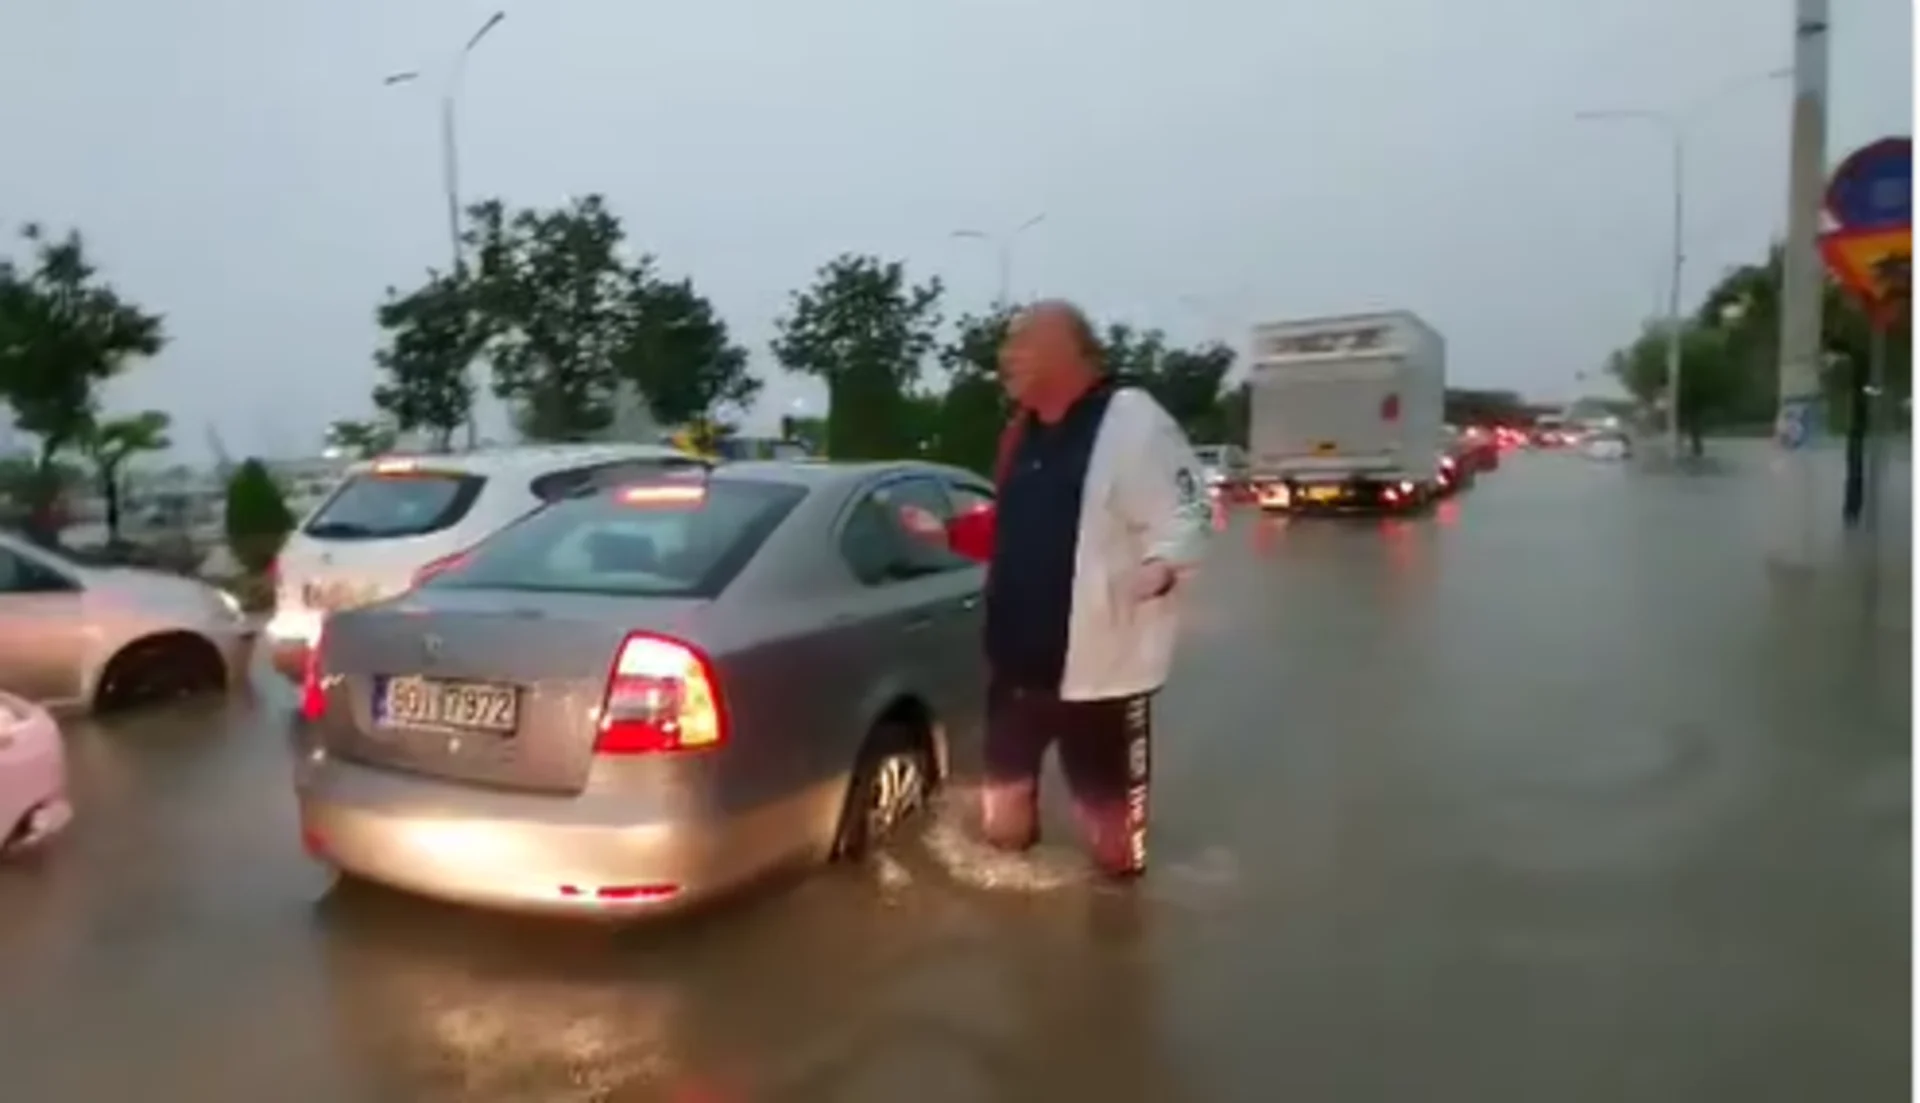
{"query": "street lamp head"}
pixel 977 235
pixel 492 22
pixel 400 78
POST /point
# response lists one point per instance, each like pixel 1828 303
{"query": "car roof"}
pixel 525 460
pixel 827 473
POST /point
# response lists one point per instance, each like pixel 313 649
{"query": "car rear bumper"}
pixel 544 854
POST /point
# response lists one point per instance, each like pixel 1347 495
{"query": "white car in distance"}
pixel 396 519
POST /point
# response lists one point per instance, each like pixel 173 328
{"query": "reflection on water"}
pixel 943 969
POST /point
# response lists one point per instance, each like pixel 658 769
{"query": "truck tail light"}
pixel 662 695
pixel 1390 408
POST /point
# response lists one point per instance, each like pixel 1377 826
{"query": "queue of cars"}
pixel 79 637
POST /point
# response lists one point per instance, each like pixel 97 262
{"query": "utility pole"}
pixel 1676 270
pixel 1803 284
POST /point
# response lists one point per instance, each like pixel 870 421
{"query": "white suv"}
pixel 393 520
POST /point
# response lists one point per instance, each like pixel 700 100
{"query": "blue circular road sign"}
pixel 1873 188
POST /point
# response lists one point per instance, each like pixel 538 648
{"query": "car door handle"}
pixel 919 622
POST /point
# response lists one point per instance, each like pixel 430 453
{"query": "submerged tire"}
pixel 159 669
pixel 892 782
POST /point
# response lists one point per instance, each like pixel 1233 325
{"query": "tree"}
pixel 1745 305
pixel 975 408
pixel 676 351
pixel 257 518
pixel 1188 385
pixel 559 301
pixel 110 443
pixel 808 432
pixel 1187 382
pixel 1710 381
pixel 1133 355
pixel 361 439
pixel 433 334
pixel 865 330
pixel 63 332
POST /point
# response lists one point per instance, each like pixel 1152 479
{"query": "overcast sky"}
pixel 1202 164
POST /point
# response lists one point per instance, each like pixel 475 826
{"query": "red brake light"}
pixel 313 696
pixel 440 566
pixel 1390 408
pixel 661 696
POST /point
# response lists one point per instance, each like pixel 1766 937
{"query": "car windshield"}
pixel 383 505
pixel 667 539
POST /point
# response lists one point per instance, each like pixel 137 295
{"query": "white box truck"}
pixel 1346 413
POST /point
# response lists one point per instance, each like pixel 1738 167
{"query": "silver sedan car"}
pixel 647 695
pixel 73 636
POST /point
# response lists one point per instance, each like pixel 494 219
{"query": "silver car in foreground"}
pixel 645 696
pixel 77 637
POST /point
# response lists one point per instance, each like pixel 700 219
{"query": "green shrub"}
pixel 257 517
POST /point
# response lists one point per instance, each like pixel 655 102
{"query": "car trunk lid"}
pixel 486 686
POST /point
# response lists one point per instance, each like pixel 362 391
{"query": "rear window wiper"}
pixel 325 529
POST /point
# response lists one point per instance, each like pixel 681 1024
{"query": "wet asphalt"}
pixel 1554 795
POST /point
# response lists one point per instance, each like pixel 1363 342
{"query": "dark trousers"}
pixel 1104 753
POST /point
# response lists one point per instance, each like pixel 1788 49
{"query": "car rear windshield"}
pixel 678 539
pixel 385 505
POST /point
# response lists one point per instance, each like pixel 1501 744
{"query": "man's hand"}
pixel 1152 579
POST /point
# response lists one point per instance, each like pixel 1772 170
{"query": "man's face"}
pixel 1038 348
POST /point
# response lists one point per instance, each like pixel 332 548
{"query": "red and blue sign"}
pixel 1873 188
pixel 1870 199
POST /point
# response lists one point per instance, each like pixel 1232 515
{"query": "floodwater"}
pixel 1555 795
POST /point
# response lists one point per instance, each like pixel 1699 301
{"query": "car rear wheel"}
pixel 892 782
pixel 159 669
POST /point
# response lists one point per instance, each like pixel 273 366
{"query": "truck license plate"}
pixel 1322 493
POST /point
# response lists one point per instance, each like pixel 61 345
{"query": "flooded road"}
pixel 1553 796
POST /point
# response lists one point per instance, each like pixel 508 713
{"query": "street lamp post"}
pixel 1677 258
pixel 450 156
pixel 1003 251
pixel 1673 124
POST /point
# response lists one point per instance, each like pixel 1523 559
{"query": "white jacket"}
pixel 1144 498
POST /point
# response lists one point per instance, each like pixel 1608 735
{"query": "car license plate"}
pixel 412 702
pixel 1322 493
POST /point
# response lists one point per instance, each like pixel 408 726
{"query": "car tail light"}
pixel 313 695
pixel 661 696
pixel 1390 408
pixel 440 566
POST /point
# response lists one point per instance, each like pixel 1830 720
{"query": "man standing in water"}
pixel 1101 517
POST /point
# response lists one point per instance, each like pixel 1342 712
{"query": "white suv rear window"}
pixel 385 506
